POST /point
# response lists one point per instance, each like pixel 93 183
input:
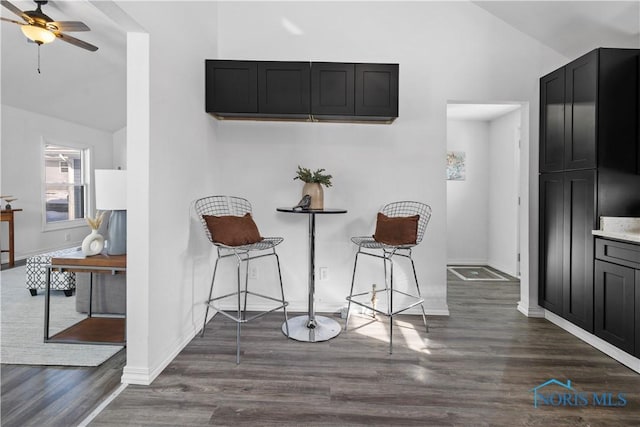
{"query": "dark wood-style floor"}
pixel 56 395
pixel 476 367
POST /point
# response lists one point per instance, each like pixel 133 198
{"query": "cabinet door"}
pixel 551 241
pixel 636 324
pixel 614 304
pixel 283 88
pixel 578 254
pixel 552 121
pixel 332 88
pixel 581 78
pixel 376 90
pixel 231 87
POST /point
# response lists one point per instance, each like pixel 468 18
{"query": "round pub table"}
pixel 311 327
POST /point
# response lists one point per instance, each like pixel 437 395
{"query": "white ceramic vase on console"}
pixel 93 243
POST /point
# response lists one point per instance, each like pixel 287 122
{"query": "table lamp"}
pixel 111 195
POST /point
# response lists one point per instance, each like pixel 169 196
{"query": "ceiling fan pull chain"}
pixel 38 59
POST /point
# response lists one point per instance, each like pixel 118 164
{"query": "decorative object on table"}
pixel 304 203
pixel 111 195
pixel 313 185
pixel 9 199
pixel 456 170
pixel 94 242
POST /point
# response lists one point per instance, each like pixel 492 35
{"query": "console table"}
pixel 310 327
pixel 93 329
pixel 7 215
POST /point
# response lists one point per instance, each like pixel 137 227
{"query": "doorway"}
pixel 484 184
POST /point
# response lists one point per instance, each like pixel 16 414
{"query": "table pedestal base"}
pixel 300 330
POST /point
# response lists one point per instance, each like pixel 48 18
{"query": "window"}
pixel 65 184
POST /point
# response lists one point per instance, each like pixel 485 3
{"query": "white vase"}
pixel 92 244
pixel 314 189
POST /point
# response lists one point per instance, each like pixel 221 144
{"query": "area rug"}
pixel 476 273
pixel 22 327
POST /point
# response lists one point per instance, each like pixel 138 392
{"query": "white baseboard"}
pixel 503 269
pixel 468 262
pixel 608 349
pixel 536 311
pixel 145 376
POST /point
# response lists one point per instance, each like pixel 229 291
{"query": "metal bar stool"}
pixel 229 206
pixel 368 245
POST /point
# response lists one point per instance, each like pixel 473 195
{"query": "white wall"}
pixel 468 200
pixel 170 156
pixel 120 149
pixel 22 139
pixel 445 51
pixel 504 166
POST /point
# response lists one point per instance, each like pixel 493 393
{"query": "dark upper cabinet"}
pixel 552 122
pixel 568 116
pixel 302 90
pixel 283 88
pixel 231 87
pixel 332 89
pixel 360 92
pixel 581 79
pixel 589 113
pixel 376 90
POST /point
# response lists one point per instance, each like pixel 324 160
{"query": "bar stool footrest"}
pixel 225 312
pixel 416 301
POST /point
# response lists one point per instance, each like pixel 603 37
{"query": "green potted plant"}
pixel 313 182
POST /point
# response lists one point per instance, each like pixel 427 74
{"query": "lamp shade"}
pixel 111 189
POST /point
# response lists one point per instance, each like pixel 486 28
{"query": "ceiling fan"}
pixel 41 29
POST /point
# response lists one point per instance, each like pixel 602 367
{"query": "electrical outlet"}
pixel 253 272
pixel 323 273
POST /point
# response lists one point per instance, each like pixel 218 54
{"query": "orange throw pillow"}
pixel 396 231
pixel 233 230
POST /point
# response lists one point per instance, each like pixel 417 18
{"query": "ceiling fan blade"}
pixel 17 11
pixel 68 26
pixel 76 42
pixel 11 20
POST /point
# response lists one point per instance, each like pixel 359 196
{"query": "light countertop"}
pixel 620 228
pixel 629 237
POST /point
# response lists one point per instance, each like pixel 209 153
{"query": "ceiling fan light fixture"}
pixel 38 34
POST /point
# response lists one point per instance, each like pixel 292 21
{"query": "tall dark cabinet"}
pixel 589 163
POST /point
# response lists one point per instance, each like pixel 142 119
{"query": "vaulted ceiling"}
pixel 74 84
pixel 89 88
pixel 572 28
